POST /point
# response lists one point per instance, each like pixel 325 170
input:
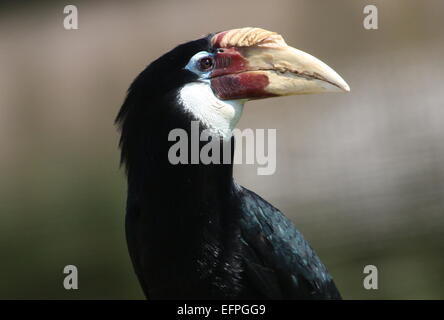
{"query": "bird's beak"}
pixel 253 63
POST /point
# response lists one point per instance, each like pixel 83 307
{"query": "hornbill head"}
pixel 211 78
pixel 250 63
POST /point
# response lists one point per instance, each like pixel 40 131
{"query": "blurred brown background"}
pixel 361 174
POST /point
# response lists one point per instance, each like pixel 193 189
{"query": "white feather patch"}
pixel 220 116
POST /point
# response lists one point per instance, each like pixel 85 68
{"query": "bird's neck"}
pixel 193 210
pixel 197 189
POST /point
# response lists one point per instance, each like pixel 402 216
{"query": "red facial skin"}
pixel 240 86
pixel 231 80
pixel 229 61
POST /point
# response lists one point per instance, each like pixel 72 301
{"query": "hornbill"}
pixel 192 231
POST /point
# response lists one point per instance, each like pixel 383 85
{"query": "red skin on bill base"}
pixel 230 79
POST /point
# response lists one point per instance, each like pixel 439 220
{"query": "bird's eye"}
pixel 205 64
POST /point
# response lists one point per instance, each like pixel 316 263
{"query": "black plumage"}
pixel 192 232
